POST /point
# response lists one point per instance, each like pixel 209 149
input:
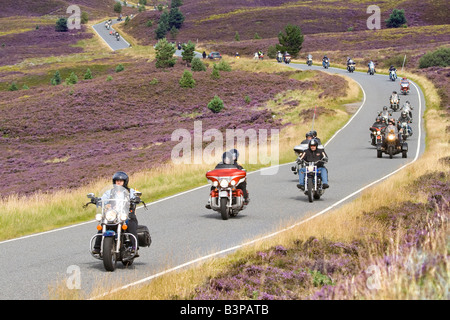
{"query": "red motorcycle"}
pixel 404 86
pixel 225 197
pixel 375 135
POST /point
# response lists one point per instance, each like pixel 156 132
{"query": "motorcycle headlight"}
pixel 224 183
pixel 391 137
pixel 98 217
pixel 123 216
pixel 111 215
pixel 233 182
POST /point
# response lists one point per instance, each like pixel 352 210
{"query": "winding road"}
pixel 184 232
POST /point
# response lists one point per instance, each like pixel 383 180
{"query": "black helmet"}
pixel 235 154
pixel 309 134
pixel 313 142
pixel 385 108
pixel 314 133
pixel 227 158
pixel 120 175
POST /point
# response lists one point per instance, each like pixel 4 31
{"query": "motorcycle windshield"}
pixel 115 204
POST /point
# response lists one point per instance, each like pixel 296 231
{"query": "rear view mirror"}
pixel 138 194
pixel 91 196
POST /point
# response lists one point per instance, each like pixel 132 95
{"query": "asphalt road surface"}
pixel 183 230
pixel 111 40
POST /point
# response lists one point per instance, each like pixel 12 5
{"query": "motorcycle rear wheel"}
pixel 109 254
pixel 224 209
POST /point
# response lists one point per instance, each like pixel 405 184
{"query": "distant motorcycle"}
pixel 371 70
pixel 326 63
pixel 375 135
pixel 225 197
pixel 287 59
pixel 394 103
pixel 392 146
pixel 405 130
pixel 392 75
pixel 117 37
pixel 309 61
pixel 404 87
pixel 351 68
pixel 112 216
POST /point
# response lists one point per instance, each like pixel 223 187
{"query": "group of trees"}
pixel 170 21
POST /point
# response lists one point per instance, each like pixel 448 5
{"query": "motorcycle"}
pixel 371 70
pixel 112 216
pixel 313 181
pixel 326 63
pixel 117 37
pixel 404 87
pixel 279 59
pixel 392 75
pixel 225 197
pixel 287 59
pixel 261 56
pixel 405 130
pixel 375 135
pixel 394 103
pixel 298 152
pixel 392 146
pixel 351 68
pixel 309 61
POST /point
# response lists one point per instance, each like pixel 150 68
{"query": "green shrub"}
pixel 438 58
pixel 154 81
pixel 272 52
pixel 215 73
pixel 237 37
pixel 118 7
pixel 149 23
pixel 223 66
pixel 84 17
pixel 120 68
pixel 197 65
pixel 61 25
pixel 13 87
pixel 109 78
pixel 247 99
pixel 215 105
pixel 72 79
pixel 187 81
pixel 396 19
pixel 25 87
pixel 164 54
pixel 56 79
pixel 88 74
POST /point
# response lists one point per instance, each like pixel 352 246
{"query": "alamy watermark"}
pixel 190 149
pixel 74 21
pixel 74 279
pixel 374 21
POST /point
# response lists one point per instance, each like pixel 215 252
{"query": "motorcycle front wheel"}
pixel 309 190
pixel 109 254
pixel 224 209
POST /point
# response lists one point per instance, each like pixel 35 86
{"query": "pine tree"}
pixel 187 81
pixel 291 41
pixel 88 74
pixel 56 79
pixel 164 54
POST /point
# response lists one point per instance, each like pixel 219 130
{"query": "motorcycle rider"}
pixel 408 108
pixel 237 55
pixel 308 137
pixel 394 96
pixel 371 65
pixel 309 58
pixel 349 62
pixel 385 113
pixel 392 68
pixel 404 117
pixel 312 154
pixel 324 59
pixel 120 178
pixel 229 162
pixel 279 56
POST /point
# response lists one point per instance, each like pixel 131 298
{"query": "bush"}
pixel 88 74
pixel 438 58
pixel 154 81
pixel 272 52
pixel 187 81
pixel 188 52
pixel 164 54
pixel 84 17
pixel 61 25
pixel 215 73
pixel 215 105
pixel 72 79
pixel 13 87
pixel 396 19
pixel 237 37
pixel 109 78
pixel 118 7
pixel 198 65
pixel 223 66
pixel 291 40
pixel 56 79
pixel 120 68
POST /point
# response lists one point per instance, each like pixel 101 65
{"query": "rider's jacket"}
pixel 310 156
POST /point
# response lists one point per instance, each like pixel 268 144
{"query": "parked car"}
pixel 214 56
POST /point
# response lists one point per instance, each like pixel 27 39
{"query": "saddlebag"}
pixel 144 239
pixel 404 146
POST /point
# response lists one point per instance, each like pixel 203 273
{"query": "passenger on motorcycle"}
pixel 279 56
pixel 120 178
pixel 392 128
pixel 378 123
pixel 309 136
pixel 243 185
pixel 404 117
pixel 385 113
pixel 312 154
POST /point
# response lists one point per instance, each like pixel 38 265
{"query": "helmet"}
pixel 404 78
pixel 235 154
pixel 404 113
pixel 378 119
pixel 385 108
pixel 313 142
pixel 314 133
pixel 392 120
pixel 309 134
pixel 227 158
pixel 120 175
